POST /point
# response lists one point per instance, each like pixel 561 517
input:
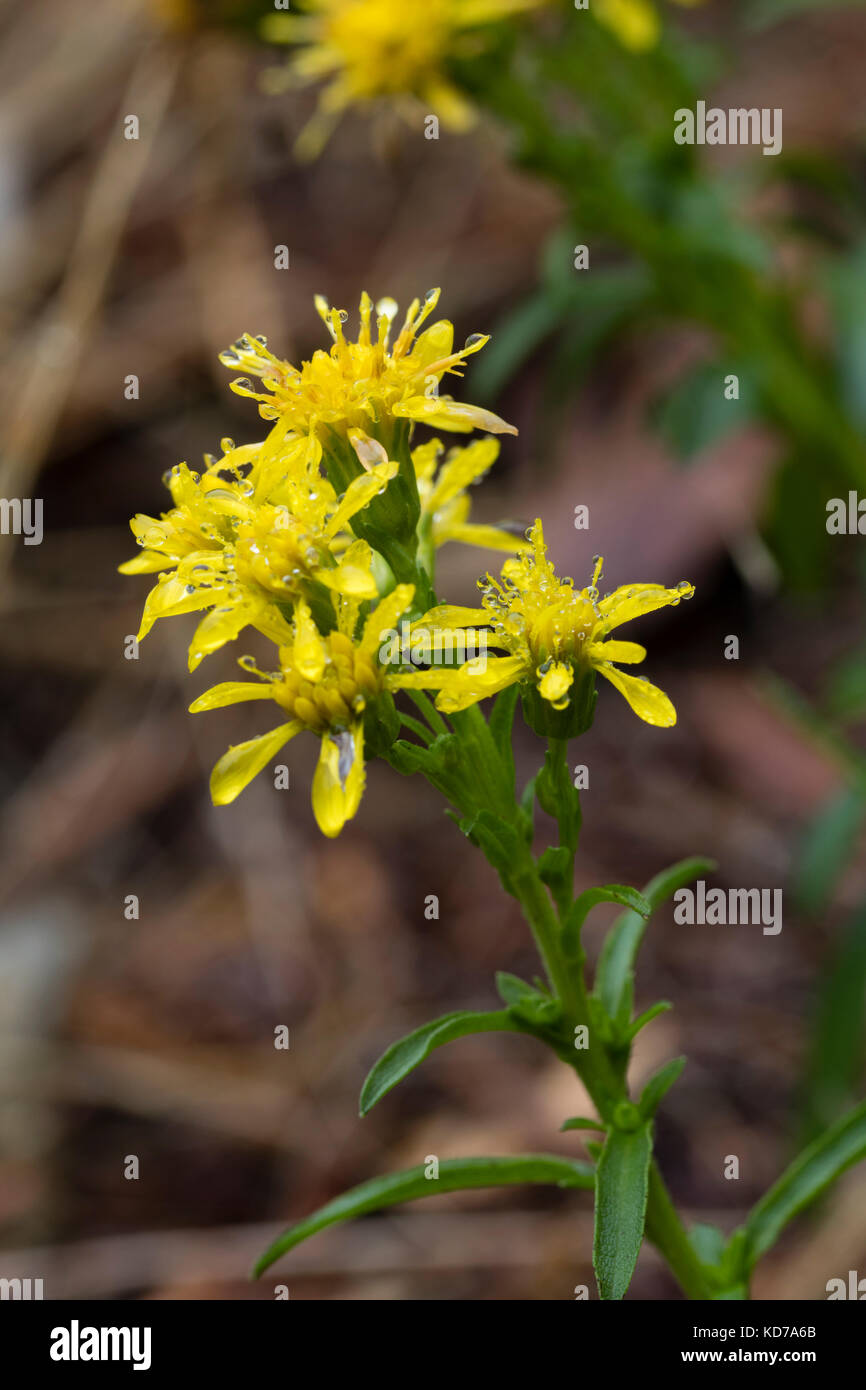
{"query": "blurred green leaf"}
pixel 846 688
pixel 846 286
pixel 695 415
pixel 614 979
pixel 455 1175
pixel 836 1046
pixel 808 1176
pixel 826 848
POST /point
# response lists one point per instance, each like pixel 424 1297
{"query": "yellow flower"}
pixel 325 685
pixel 370 49
pixel 368 385
pixel 636 23
pixel 553 634
pixel 257 529
pixel 445 500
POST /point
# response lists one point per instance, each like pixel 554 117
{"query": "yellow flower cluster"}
pixel 268 535
pixel 323 537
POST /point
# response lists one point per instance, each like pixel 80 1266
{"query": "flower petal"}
pixel 463 467
pixel 310 652
pixel 648 702
pixel 440 412
pixel 237 768
pixel 633 600
pixel 629 652
pixel 231 693
pixel 459 689
pixel 338 782
pixel 556 683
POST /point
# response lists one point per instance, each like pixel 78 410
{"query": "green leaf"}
pixel 455 1175
pixel 835 1052
pixel 614 980
pixel 580 1122
pixel 500 840
pixel 695 414
pixel 808 1176
pixel 403 1056
pixel 708 1243
pixel 622 1183
pixel 583 905
pixel 827 846
pixel 529 1006
pixel 658 1086
pixel 501 723
pixel 628 1034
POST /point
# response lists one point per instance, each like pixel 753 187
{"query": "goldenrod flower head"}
pixel 369 384
pixel 259 527
pixel 393 49
pixel 444 480
pixel 636 23
pixel 325 684
pixel 554 633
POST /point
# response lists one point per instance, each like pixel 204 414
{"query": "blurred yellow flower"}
pixel 636 23
pixel 396 49
pixel 553 633
pixel 443 485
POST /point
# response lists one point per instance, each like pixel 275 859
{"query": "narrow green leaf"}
pixel 614 980
pixel 455 1175
pixel 826 848
pixel 580 1122
pixel 403 1056
pixel 808 1176
pixel 501 723
pixel 658 1086
pixel 621 1189
pixel 836 1043
pixel 583 905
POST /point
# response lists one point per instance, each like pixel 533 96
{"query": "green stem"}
pixel 602 1081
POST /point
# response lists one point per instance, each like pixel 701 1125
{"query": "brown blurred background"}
pixel 154 1037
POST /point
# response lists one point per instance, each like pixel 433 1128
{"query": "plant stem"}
pixel 593 1065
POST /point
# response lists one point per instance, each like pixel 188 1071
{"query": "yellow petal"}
pixel 452 615
pixel 556 683
pixel 383 619
pixel 147 562
pixel 237 768
pixel 440 412
pixel 459 689
pixel 310 650
pixel 648 702
pixel 231 693
pixel 216 628
pixel 487 537
pixel 349 579
pixel 463 467
pixel 170 597
pixel 360 492
pixel 629 652
pixel 633 600
pixel 338 781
